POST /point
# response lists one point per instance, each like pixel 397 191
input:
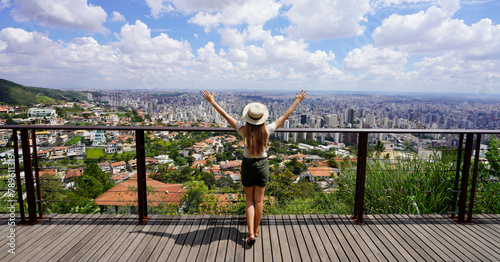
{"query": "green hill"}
pixel 16 94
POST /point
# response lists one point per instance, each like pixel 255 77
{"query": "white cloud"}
pixel 209 61
pixel 255 49
pixel 18 41
pixel 379 4
pixel 374 60
pixel 322 19
pixel 4 4
pixel 137 44
pixel 117 17
pixel 450 65
pixel 435 32
pixel 251 12
pixel 159 7
pixel 66 14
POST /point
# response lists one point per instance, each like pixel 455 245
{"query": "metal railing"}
pixel 465 183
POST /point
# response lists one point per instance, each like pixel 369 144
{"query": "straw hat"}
pixel 255 113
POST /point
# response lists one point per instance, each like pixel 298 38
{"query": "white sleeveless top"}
pixel 270 129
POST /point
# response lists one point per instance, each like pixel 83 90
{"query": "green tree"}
pixel 194 197
pixel 93 182
pixel 493 155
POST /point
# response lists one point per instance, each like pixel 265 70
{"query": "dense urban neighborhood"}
pixel 90 170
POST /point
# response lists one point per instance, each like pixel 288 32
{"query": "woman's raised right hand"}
pixel 300 96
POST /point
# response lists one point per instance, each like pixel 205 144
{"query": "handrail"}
pixel 141 171
pixel 229 129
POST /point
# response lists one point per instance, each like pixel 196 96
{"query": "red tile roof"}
pixel 125 193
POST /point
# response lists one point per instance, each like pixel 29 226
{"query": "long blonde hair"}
pixel 255 137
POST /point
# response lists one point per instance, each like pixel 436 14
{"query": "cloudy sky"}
pixel 350 45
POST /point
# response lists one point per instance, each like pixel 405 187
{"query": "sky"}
pixel 347 45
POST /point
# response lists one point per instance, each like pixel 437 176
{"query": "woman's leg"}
pixel 258 197
pixel 250 209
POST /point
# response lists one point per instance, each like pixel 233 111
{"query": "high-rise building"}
pixel 349 116
pixel 303 119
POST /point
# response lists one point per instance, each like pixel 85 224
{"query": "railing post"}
pixel 465 178
pixel 474 178
pixel 18 176
pixel 37 175
pixel 360 177
pixel 142 197
pixel 457 175
pixel 28 176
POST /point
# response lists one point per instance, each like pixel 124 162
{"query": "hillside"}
pixel 16 94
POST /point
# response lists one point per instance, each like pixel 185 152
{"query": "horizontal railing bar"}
pixel 228 129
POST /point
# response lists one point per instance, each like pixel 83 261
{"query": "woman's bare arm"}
pixel 210 98
pixel 298 97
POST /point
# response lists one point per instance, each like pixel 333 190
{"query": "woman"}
pixel 255 167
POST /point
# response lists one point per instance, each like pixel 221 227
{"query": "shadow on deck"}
pixel 75 237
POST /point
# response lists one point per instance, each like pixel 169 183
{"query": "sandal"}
pixel 251 239
pixel 257 233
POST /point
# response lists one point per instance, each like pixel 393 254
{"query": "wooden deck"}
pixel 74 237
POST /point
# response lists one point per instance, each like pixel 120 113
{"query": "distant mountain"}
pixel 16 94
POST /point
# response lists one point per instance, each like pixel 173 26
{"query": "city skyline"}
pixel 447 46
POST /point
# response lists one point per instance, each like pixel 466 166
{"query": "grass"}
pixel 94 153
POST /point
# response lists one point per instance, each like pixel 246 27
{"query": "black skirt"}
pixel 254 172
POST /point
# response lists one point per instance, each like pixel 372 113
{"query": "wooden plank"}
pixel 477 243
pixel 154 240
pixel 398 250
pixel 451 241
pixel 176 238
pixel 207 239
pixel 312 246
pixel 303 253
pixel 106 248
pixel 149 241
pixel 456 232
pixel 266 239
pixel 67 239
pixel 25 233
pixel 54 233
pixel 368 248
pixel 316 240
pixel 197 240
pixel 368 229
pixel 323 245
pixel 185 239
pixel 274 239
pixel 138 239
pixel 334 246
pixel 491 224
pixel 344 230
pixel 212 250
pixel 90 247
pixel 248 249
pixel 164 239
pixel 283 240
pixel 385 238
pixel 290 237
pixel 337 238
pixel 406 241
pixel 240 252
pixel 360 234
pixel 124 242
pixel 233 243
pixel 73 243
pixel 257 248
pixel 224 238
pixel 482 237
pixel 430 238
pixel 104 224
pixel 413 242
